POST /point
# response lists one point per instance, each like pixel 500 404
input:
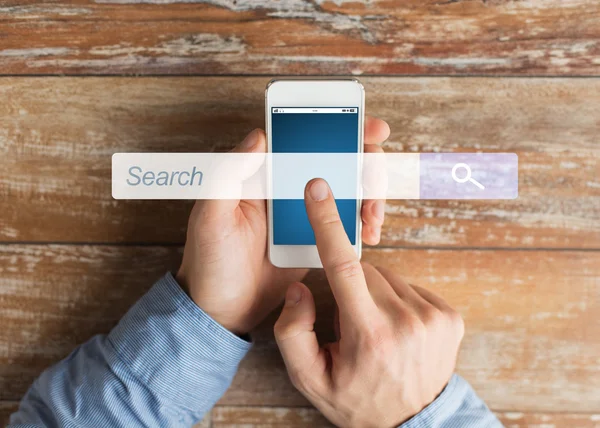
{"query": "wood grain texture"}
pixel 542 37
pixel 6 409
pixel 532 344
pixel 9 407
pixel 264 417
pixel 549 420
pixel 57 136
pixel 56 297
pixel 237 417
pixel 301 417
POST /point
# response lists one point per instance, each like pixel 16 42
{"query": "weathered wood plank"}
pixel 263 417
pixel 549 420
pixel 532 326
pixel 6 409
pixel 57 136
pixel 9 407
pixel 296 417
pixel 55 297
pixel 301 37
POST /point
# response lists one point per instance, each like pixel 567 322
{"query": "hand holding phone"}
pixel 225 268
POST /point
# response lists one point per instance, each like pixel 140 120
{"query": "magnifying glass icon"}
pixel 467 177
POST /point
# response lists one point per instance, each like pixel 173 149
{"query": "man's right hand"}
pixel 397 343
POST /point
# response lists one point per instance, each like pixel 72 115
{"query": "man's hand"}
pixel 225 267
pixel 397 342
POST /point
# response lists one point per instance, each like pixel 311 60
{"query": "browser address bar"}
pixel 279 110
pixel 284 175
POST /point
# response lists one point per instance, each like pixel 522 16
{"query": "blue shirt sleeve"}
pixel 165 364
pixel 456 407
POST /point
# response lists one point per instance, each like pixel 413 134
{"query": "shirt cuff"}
pixel 443 407
pixel 173 346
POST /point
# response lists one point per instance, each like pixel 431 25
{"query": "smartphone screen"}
pixel 312 130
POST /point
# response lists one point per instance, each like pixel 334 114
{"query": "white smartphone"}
pixel 311 116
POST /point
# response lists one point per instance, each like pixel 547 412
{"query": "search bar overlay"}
pixel 284 175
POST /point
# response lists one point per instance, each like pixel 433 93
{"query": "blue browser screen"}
pixel 311 132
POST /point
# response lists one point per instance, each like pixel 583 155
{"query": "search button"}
pixel 491 175
pixel 467 176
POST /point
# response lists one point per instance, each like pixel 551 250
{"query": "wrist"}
pixel 182 280
pixel 176 334
pixel 227 319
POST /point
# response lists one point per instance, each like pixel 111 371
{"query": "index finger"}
pixel 340 261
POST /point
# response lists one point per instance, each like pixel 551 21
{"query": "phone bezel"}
pixel 311 92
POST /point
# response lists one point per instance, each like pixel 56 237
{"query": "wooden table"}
pixel 451 75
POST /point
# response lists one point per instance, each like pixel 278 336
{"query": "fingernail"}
pixel 378 210
pixel 293 295
pixel 250 140
pixel 319 190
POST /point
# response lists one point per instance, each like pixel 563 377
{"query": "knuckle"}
pixel 377 337
pixel 283 330
pixel 330 219
pixel 432 316
pixel 415 328
pixel 345 268
pixel 277 328
pixel 457 322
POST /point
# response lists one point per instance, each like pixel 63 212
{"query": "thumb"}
pixel 306 362
pixel 245 167
pixel 233 172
